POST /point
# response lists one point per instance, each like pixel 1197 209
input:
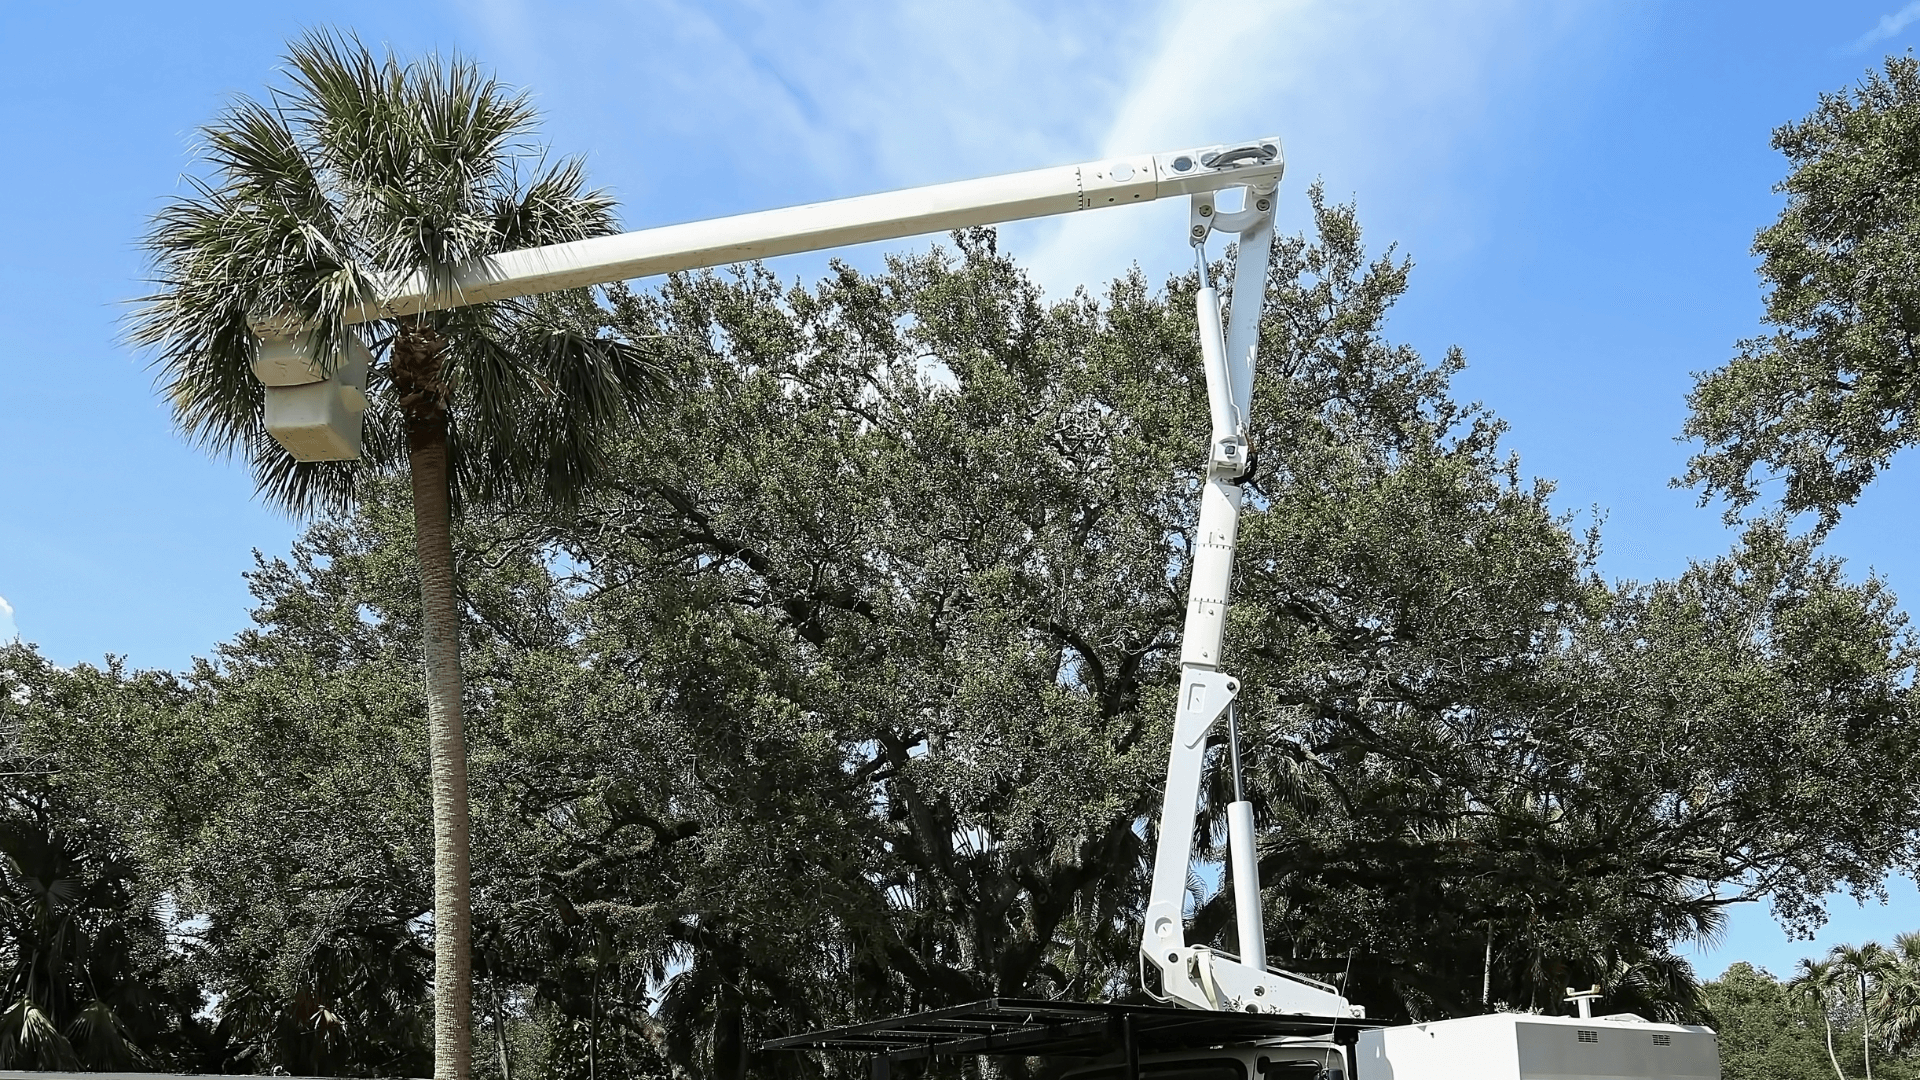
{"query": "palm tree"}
pixel 1864 964
pixel 1899 997
pixel 1815 981
pixel 71 932
pixel 362 170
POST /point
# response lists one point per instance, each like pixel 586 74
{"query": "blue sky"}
pixel 1578 184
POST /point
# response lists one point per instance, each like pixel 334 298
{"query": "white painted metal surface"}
pixel 1520 1046
pixel 313 427
pixel 1195 975
pixel 315 416
pixel 819 226
pixel 1244 854
pixel 292 359
pixel 1288 1060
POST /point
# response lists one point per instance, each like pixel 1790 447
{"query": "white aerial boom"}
pixel 317 416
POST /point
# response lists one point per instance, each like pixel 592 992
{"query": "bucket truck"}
pixel 1222 1016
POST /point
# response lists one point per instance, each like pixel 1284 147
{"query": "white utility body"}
pixel 1520 1046
pixel 314 407
pixel 1498 1046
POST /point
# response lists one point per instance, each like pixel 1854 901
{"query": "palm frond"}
pixel 100 1040
pixel 555 208
pixel 28 1040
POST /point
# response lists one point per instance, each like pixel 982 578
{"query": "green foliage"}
pixel 91 979
pixel 1766 1031
pixel 359 178
pixel 1812 1025
pixel 1828 397
pixel 846 690
pixel 1898 1007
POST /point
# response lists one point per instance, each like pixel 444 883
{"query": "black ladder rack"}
pixel 1035 1028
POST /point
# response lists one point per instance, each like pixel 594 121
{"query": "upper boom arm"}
pixel 862 219
pixel 314 404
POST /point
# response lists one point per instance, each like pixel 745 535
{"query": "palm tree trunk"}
pixel 500 1034
pixel 1486 971
pixel 1866 1029
pixel 1831 1056
pixel 447 748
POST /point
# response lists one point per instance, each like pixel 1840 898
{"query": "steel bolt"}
pixel 1262 205
pixel 1199 230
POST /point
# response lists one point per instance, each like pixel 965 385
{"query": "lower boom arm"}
pixel 1196 975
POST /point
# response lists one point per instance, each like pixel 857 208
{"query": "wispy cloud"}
pixel 1890 25
pixel 8 631
pixel 1379 99
pixel 702 108
pixel 695 108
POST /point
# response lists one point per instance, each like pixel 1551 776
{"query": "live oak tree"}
pixel 846 689
pixel 282 796
pixel 1828 397
pixel 1574 784
pixel 358 171
pixel 949 519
